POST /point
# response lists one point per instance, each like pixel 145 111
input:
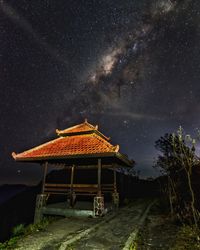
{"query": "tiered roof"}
pixel 83 140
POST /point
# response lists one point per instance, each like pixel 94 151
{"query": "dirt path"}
pixel 110 232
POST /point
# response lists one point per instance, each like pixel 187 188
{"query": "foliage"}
pixel 177 161
pixel 138 241
pixel 20 231
pixel 175 153
pixel 10 244
pixel 188 238
pixel 39 226
pixel 70 247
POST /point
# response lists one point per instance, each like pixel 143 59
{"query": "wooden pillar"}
pixel 115 179
pixel 99 199
pixel 72 193
pixel 99 177
pixel 72 178
pixel 44 177
pixel 115 195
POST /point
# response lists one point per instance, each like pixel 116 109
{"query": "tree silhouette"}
pixel 177 160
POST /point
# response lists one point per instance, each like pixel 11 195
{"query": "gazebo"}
pixel 79 147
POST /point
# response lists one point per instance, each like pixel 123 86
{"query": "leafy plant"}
pixel 188 238
pixel 18 230
pixel 10 244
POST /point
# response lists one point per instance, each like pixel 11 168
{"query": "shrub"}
pixel 18 230
pixel 188 238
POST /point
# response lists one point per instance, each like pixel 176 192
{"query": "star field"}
pixel 130 66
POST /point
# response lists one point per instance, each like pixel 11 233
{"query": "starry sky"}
pixel 131 66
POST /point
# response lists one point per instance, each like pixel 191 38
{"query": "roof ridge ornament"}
pixel 86 120
pixel 14 155
pixel 116 148
pixel 57 131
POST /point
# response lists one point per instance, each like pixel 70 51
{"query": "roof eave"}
pixel 102 155
pixel 123 158
pixel 63 157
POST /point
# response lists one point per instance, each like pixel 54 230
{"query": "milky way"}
pixel 126 63
pixel 130 66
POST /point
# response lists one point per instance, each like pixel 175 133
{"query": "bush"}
pixel 188 238
pixel 18 230
pixel 10 244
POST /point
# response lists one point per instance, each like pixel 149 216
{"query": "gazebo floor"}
pixel 81 209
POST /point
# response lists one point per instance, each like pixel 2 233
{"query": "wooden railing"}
pixel 79 189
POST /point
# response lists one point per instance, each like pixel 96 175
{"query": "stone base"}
pixel 72 199
pixel 40 203
pixel 98 206
pixel 115 199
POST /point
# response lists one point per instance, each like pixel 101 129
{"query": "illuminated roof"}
pixel 83 127
pixel 83 140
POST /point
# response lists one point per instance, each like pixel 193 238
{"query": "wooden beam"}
pixel 99 177
pixel 93 166
pixel 74 185
pixel 44 177
pixel 81 166
pixel 72 178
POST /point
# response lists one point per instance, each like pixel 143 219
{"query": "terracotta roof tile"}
pixel 83 127
pixel 70 146
pixel 83 140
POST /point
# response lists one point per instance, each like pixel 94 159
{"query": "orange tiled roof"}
pixel 84 144
pixel 83 127
pixel 83 140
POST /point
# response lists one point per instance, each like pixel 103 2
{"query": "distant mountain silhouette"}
pixel 17 207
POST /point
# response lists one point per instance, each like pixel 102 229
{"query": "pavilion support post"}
pixel 41 198
pixel 99 177
pixel 99 199
pixel 72 193
pixel 115 194
pixel 40 203
pixel 44 177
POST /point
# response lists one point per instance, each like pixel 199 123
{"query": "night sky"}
pixel 130 66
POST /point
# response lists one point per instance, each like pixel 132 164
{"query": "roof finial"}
pixel 57 131
pixel 86 120
pixel 14 155
pixel 116 148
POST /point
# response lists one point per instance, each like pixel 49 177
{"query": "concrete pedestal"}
pixel 98 206
pixel 115 199
pixel 72 199
pixel 40 203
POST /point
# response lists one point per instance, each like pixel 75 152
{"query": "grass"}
pixel 21 231
pixel 18 230
pixel 188 238
pixel 166 232
pixel 138 241
pixel 70 247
